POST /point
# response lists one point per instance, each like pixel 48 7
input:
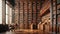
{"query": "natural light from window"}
pixel 7 14
pixel 0 11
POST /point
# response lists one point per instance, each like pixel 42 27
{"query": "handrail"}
pixel 43 10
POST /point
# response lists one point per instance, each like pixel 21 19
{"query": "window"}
pixel 58 19
pixel 0 11
pixel 7 14
pixel 58 11
pixel 10 15
pixel 58 1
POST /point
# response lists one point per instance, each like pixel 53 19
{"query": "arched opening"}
pixel 35 26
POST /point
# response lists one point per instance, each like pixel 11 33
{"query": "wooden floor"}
pixel 27 32
pixel 8 32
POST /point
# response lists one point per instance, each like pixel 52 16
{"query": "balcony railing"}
pixel 44 8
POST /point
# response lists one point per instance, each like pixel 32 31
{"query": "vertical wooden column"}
pixel 21 15
pixel 51 17
pixel 29 13
pixel 54 15
pixel 38 11
pixel 16 15
pixel 34 15
pixel 3 11
pixel 26 14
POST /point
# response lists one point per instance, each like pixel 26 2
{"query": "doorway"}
pixel 43 27
pixel 35 26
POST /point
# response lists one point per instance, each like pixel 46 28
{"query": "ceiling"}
pixel 11 2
